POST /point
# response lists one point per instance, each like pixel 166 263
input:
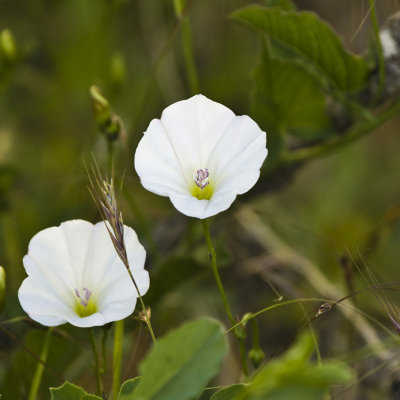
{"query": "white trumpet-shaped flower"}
pixel 201 155
pixel 76 276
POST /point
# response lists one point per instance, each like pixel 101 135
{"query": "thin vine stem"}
pixel 213 260
pixel 96 361
pixel 187 46
pixel 146 316
pixel 37 377
pixel 117 357
pixel 330 302
pixel 328 146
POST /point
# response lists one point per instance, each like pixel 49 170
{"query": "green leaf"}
pixel 128 387
pixel 182 362
pixel 229 393
pixel 293 376
pixel 69 391
pixel 304 38
pixel 287 97
pixel 286 5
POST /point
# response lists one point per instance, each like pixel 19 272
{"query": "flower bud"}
pixel 8 47
pixel 101 106
pixel 107 122
pixel 240 332
pixel 2 288
pixel 256 356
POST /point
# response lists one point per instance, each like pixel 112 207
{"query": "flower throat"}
pixel 85 305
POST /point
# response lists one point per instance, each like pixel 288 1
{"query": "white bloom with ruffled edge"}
pixel 76 276
pixel 201 155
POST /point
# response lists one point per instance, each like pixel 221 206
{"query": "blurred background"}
pixel 293 240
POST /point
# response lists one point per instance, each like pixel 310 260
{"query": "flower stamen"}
pixel 202 188
pixel 85 306
pixel 201 178
pixel 84 299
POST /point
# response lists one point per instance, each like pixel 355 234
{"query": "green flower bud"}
pixel 107 122
pixel 246 318
pixel 256 356
pixel 8 47
pixel 240 332
pixel 2 288
pixel 101 106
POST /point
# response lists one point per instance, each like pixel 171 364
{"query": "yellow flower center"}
pixel 85 305
pixel 202 188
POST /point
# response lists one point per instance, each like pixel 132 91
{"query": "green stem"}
pixel 187 45
pixel 146 316
pixel 117 357
pixel 312 333
pixel 103 368
pixel 358 110
pixel 213 259
pixel 14 320
pixel 381 60
pixel 243 356
pixel 96 361
pixel 339 141
pixel 37 378
pixel 277 305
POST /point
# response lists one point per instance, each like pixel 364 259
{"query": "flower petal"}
pixel 117 310
pixel 193 207
pixel 40 304
pixel 77 236
pixel 135 251
pixel 193 127
pixel 241 150
pixel 156 162
pixel 50 258
pixel 101 254
pixel 96 319
pixel 106 265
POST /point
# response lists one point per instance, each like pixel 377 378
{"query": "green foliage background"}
pixel 311 213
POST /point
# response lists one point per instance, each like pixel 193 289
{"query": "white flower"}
pixel 388 42
pixel 76 276
pixel 201 155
